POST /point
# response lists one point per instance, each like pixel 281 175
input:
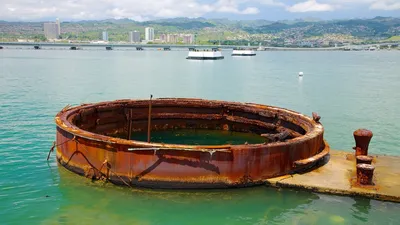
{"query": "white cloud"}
pixel 386 5
pixel 102 9
pixel 310 6
pixel 232 6
pixel 149 9
pixel 372 4
pixel 271 2
pixel 250 10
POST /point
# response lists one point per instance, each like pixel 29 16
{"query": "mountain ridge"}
pixel 214 29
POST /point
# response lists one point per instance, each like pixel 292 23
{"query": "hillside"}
pixel 213 30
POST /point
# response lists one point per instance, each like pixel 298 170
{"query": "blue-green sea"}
pixel 350 90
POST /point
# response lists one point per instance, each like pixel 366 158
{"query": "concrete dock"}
pixel 338 176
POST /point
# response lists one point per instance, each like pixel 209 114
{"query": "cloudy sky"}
pixel 37 10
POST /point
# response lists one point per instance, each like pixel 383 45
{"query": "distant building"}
pixel 188 38
pixel 325 43
pixel 307 44
pixel 149 34
pixel 25 40
pixel 105 36
pixel 134 36
pixel 52 30
pixel 59 27
pixel 172 38
pixel 163 37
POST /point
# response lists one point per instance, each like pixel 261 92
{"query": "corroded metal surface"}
pixel 339 177
pixel 365 173
pixel 362 138
pixel 364 159
pixel 87 144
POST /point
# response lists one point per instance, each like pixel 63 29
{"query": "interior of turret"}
pixel 191 122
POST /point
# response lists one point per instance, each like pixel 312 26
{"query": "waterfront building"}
pixel 58 26
pixel 149 34
pixel 134 36
pixel 52 29
pixel 172 38
pixel 105 36
pixel 188 38
pixel 163 37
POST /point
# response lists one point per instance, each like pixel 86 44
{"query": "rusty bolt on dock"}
pixel 365 173
pixel 362 138
pixel 364 159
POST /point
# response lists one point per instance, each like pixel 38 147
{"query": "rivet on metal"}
pixel 364 159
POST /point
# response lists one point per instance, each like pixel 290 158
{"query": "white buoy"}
pixel 301 74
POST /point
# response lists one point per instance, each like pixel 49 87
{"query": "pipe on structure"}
pixel 130 117
pixel 362 138
pixel 89 135
pixel 149 122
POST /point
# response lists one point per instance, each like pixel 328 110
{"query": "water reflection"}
pixel 361 208
pixel 99 203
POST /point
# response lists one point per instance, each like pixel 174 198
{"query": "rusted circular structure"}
pixel 89 143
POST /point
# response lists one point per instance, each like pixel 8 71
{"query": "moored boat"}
pixel 213 54
pixel 243 52
pixel 77 48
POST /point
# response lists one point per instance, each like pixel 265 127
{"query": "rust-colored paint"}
pixel 85 143
pixel 364 159
pixel 316 117
pixel 362 138
pixel 130 124
pixel 149 121
pixel 365 173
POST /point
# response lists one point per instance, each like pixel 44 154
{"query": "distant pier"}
pixel 140 47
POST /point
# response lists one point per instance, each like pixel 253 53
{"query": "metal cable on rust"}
pixel 101 173
pixel 54 145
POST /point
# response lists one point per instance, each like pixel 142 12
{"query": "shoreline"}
pixel 112 46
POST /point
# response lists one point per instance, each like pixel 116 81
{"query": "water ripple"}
pixel 361 92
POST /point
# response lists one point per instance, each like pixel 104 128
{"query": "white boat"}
pixel 243 52
pixel 213 54
pixel 372 48
pixel 260 48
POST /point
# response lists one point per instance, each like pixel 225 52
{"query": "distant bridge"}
pixel 114 45
pixel 110 46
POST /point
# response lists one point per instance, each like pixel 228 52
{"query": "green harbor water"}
pixel 350 90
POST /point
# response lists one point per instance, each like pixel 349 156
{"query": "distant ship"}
pixel 260 48
pixel 205 54
pixel 372 48
pixel 243 52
